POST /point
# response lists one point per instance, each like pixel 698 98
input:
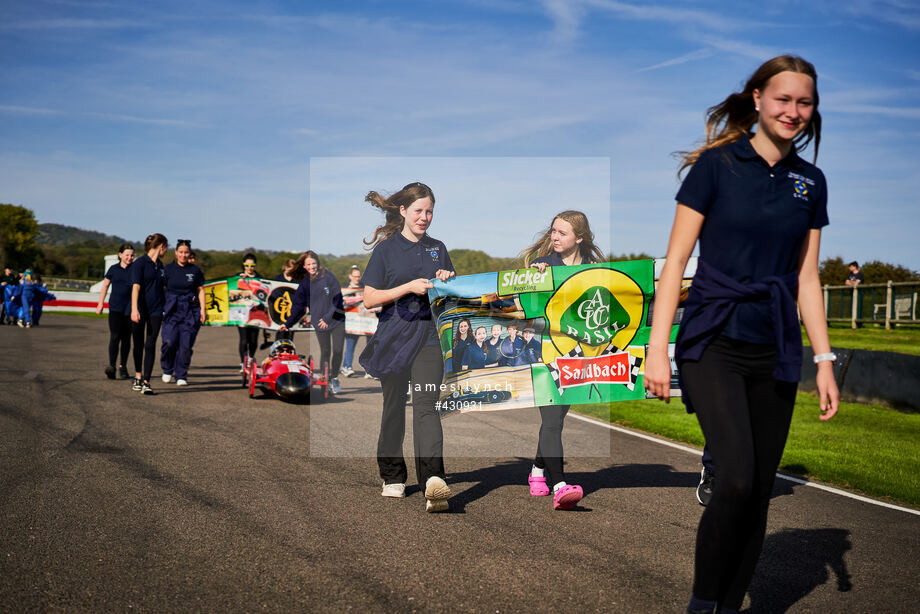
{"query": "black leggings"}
pixel 119 334
pixel 146 332
pixel 249 341
pixel 331 341
pixel 549 445
pixel 745 414
pixel 425 377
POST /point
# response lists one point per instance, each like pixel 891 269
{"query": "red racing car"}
pixel 285 374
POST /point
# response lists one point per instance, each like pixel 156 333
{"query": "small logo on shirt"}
pixel 800 185
pixel 326 290
pixel 434 252
pixel 190 277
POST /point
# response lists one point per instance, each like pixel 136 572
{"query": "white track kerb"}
pixel 696 452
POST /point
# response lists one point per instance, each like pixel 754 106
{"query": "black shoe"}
pixel 123 373
pixel 704 490
pixel 146 389
pixel 265 345
pixel 110 372
pixel 137 384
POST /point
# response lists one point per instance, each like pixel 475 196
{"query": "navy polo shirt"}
pixel 326 300
pixel 493 351
pixel 533 352
pixel 149 276
pixel 120 285
pixel 460 346
pixel 182 280
pixel 757 218
pixel 398 260
pixel 474 356
pixel 299 303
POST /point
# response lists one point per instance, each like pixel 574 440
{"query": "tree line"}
pixel 55 250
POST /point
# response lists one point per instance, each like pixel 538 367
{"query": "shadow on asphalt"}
pixel 514 473
pixel 796 561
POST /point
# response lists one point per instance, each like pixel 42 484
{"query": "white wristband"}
pixel 825 356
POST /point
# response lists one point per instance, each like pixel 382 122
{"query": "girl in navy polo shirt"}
pixel 119 278
pixel 147 300
pixel 475 353
pixel 462 339
pixel 567 241
pixel 405 349
pixel 757 210
pixel 327 315
pixel 182 314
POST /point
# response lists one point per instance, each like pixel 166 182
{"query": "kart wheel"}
pixel 494 396
pixel 252 379
pixel 261 295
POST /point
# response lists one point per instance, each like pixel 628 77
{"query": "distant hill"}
pixel 59 235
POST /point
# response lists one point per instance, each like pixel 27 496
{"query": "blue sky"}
pixel 265 123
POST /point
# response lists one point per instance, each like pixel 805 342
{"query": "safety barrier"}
pixel 888 303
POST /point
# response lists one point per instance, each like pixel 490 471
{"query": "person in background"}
pixel 38 300
pixel 26 295
pixel 249 335
pixel 351 340
pixel 147 300
pixel 327 315
pixel 567 241
pixel 291 272
pixel 191 256
pixel 855 276
pixel 118 278
pixel 757 210
pixel 182 314
pixel 7 283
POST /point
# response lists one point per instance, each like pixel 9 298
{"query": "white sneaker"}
pixel 334 385
pixel 437 492
pixel 397 491
pixel 346 371
pixel 167 378
pixel 181 382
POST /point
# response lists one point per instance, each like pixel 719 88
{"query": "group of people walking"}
pixel 22 297
pixel 150 301
pixel 755 207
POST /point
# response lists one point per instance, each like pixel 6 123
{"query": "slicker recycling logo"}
pixel 594 309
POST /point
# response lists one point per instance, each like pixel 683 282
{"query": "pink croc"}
pixel 538 487
pixel 567 496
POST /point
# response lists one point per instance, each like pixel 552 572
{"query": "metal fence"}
pixel 888 303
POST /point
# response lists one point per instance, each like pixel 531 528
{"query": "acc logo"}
pixel 801 190
pixel 280 303
pixel 595 308
pixel 434 252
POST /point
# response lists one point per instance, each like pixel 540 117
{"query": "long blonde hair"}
pixel 394 221
pixel 734 117
pixel 579 222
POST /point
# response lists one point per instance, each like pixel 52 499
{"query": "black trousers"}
pixel 146 332
pixel 549 445
pixel 425 377
pixel 745 414
pixel 119 337
pixel 249 341
pixel 332 342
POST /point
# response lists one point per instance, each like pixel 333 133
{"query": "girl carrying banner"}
pixel 405 349
pixel 249 335
pixel 327 315
pixel 567 241
pixel 757 209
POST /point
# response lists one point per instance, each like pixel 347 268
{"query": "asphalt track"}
pixel 200 499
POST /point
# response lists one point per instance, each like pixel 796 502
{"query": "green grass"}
pixel 866 448
pixel 903 339
pixel 79 314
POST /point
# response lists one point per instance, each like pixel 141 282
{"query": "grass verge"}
pixel 867 448
pixel 903 339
